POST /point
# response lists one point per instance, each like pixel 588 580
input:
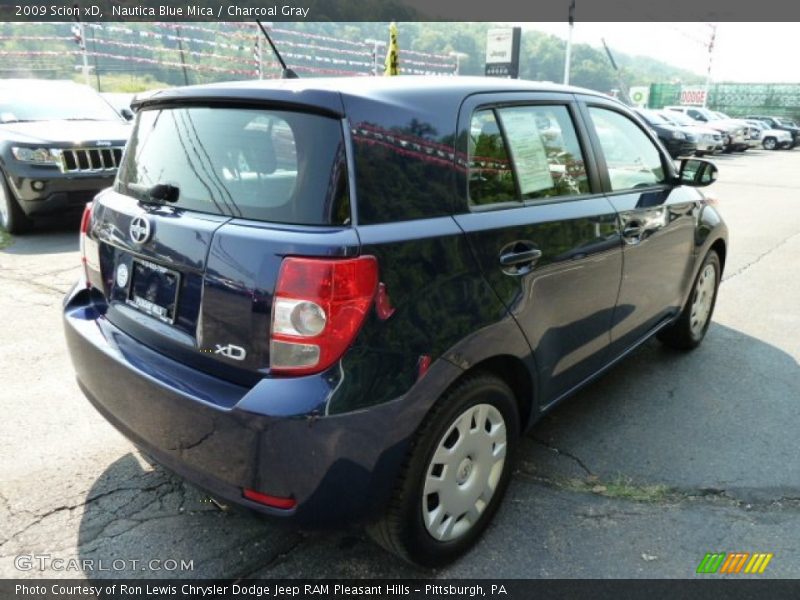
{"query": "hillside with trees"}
pixel 136 56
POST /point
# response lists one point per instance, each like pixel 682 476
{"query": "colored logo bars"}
pixel 734 563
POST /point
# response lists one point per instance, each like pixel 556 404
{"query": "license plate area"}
pixel 154 290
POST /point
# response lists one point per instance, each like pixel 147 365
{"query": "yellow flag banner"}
pixel 392 65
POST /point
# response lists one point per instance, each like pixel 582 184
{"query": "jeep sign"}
pixel 502 52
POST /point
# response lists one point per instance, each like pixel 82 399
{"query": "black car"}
pixel 346 300
pixel 676 140
pixel 60 143
pixel 781 123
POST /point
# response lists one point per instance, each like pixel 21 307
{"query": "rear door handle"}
pixel 517 258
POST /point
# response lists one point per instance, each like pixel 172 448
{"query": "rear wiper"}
pixel 165 192
pixel 157 194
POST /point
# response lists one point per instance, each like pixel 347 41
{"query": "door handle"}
pixel 517 258
pixel 632 231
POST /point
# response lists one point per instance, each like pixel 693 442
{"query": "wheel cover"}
pixel 464 472
pixel 4 208
pixel 703 299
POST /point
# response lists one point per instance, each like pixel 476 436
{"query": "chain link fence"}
pixel 738 99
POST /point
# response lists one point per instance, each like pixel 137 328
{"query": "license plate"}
pixel 154 290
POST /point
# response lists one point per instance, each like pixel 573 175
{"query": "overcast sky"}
pixel 743 52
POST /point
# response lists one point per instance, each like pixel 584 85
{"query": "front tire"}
pixel 456 474
pixel 770 143
pixel 12 219
pixel 689 330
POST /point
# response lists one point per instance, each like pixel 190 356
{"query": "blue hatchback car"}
pixel 345 300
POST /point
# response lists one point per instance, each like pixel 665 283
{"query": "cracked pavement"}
pixel 666 458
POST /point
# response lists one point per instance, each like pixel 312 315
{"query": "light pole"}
pixel 82 31
pixel 376 44
pixel 568 57
pixel 458 56
pixel 710 60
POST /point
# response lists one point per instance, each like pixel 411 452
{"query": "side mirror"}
pixel 697 172
pixel 127 114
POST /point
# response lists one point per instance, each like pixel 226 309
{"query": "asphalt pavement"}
pixel 668 457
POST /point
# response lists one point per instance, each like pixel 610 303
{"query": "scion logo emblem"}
pixel 139 230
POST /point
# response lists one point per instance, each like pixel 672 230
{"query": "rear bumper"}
pixel 223 437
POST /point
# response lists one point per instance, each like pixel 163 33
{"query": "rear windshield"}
pixel 268 165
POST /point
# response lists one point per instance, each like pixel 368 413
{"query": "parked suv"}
pixel 709 141
pixel 781 123
pixel 676 140
pixel 772 139
pixel 60 143
pixel 346 299
pixel 734 132
pixel 752 134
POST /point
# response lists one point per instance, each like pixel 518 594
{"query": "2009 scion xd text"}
pixel 337 300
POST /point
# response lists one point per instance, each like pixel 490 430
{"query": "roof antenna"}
pixel 286 73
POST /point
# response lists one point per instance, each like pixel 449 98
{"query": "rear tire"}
pixel 690 328
pixel 12 219
pixel 455 476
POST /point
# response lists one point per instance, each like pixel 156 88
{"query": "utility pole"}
pixel 710 61
pixel 183 59
pixel 623 88
pixel 376 44
pixel 79 34
pixel 568 57
pixel 96 70
pixel 458 56
pixel 260 57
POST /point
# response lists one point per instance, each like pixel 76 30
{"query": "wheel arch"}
pixel 517 376
pixel 720 247
pixel 514 372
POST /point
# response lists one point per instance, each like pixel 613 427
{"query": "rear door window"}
pixel 524 153
pixel 267 165
pixel 545 151
pixel 491 180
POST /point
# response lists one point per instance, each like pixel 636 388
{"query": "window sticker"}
pixel 527 150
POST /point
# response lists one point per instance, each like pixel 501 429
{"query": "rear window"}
pixel 267 165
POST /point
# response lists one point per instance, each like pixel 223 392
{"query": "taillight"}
pixel 318 308
pixel 90 255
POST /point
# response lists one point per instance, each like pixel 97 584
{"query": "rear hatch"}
pixel 208 201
